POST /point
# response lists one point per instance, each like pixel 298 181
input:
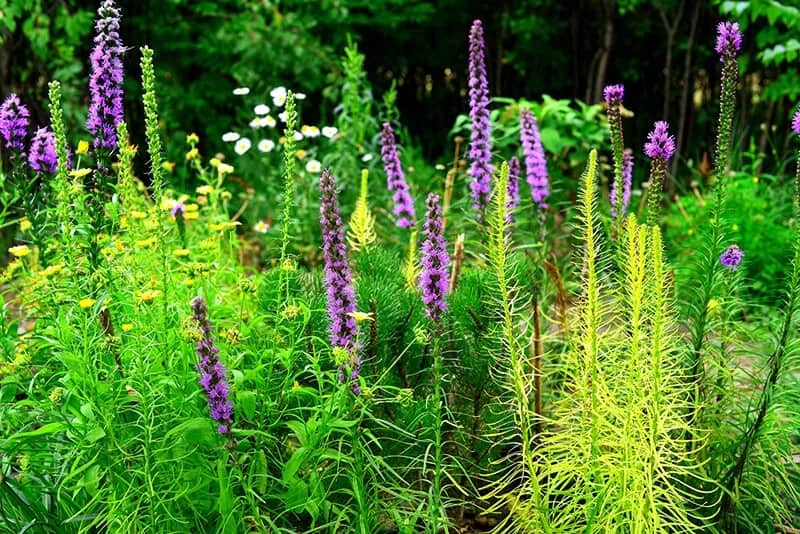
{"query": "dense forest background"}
pixel 661 49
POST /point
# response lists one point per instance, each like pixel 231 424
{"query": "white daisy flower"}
pixel 261 109
pixel 270 121
pixel 310 131
pixel 242 146
pixel 261 227
pixel 278 91
pixel 230 137
pixel 330 131
pixel 313 166
pixel 300 96
pixel 283 116
pixel 241 91
pixel 439 167
pixel 366 157
pixel 256 123
pixel 266 145
pixel 298 136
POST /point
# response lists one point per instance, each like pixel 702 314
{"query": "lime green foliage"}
pixel 362 222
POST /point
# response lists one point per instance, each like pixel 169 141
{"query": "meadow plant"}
pixel 627 183
pixel 396 180
pixel 480 149
pixel 660 148
pixel 613 96
pixel 535 163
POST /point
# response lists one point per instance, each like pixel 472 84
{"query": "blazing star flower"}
pixel 627 179
pixel 14 123
pixel 535 163
pixel 613 94
pixel 796 122
pixel 729 40
pixel 434 280
pixel 341 297
pixel 212 372
pixel 42 156
pixel 396 180
pixel 105 82
pixel 732 257
pixel 660 144
pixel 512 188
pixel 480 152
pixel 178 210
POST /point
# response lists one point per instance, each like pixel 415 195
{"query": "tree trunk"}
pixel 605 50
pixel 687 90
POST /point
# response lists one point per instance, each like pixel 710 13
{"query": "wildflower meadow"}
pixel 309 323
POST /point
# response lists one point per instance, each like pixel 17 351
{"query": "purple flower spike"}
pixel 212 372
pixel 396 180
pixel 179 209
pixel 14 123
pixel 435 278
pixel 660 144
pixel 627 179
pixel 535 163
pixel 729 40
pixel 613 94
pixel 796 122
pixel 338 280
pixel 105 82
pixel 732 257
pixel 480 152
pixel 512 188
pixel 42 156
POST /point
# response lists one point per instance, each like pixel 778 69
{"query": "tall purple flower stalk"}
pixel 338 280
pixel 512 188
pixel 660 147
pixel 42 155
pixel 729 40
pixel 627 180
pixel 796 122
pixel 212 372
pixel 480 151
pixel 732 257
pixel 435 278
pixel 14 123
pixel 396 180
pixel 535 163
pixel 105 82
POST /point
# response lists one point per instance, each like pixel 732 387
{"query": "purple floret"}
pixel 660 144
pixel 535 163
pixel 480 151
pixel 729 40
pixel 105 81
pixel 732 257
pixel 14 123
pixel 396 180
pixel 435 278
pixel 42 156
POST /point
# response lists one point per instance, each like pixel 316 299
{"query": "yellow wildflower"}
pixel 192 154
pixel 226 225
pixel 51 270
pixel 20 251
pixel 190 207
pixel 138 214
pixel 204 190
pixel 144 243
pixel 226 195
pixel 127 327
pixel 86 303
pixel 168 166
pixel 149 296
pixel 360 317
pixel 214 162
pixel 261 227
pixel 83 147
pixel 192 138
pixel 57 393
pixel 282 139
pixel 79 173
pixel 224 168
pixel 191 216
pixel 300 154
pixel 181 252
pixel 189 282
pixel 25 225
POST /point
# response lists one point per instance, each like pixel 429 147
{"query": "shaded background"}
pixel 661 49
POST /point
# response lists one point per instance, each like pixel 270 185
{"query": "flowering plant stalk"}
pixel 659 148
pixel 480 150
pixel 535 163
pixel 613 95
pixel 396 180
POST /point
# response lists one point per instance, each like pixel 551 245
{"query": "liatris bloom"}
pixel 613 95
pixel 42 156
pixel 796 122
pixel 512 189
pixel 660 147
pixel 729 40
pixel 480 153
pixel 535 163
pixel 627 179
pixel 732 257
pixel 434 280
pixel 105 82
pixel 14 123
pixel 212 372
pixel 396 180
pixel 338 280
